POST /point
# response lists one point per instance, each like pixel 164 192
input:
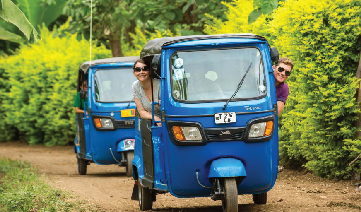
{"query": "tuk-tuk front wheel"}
pixel 128 167
pixel 260 198
pixel 82 166
pixel 230 197
pixel 145 197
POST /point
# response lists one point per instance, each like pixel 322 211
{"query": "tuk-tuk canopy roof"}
pixel 85 66
pixel 155 46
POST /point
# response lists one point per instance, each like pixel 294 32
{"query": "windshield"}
pixel 114 85
pixel 215 74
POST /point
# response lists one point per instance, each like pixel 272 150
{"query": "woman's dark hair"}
pixel 139 61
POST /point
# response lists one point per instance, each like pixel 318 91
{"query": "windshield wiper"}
pixel 238 87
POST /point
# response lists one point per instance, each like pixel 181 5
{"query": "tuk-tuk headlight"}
pixel 185 133
pixel 261 129
pixel 103 123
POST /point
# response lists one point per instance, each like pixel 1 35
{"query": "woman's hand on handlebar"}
pixel 156 118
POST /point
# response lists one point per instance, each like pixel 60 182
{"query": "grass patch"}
pixel 23 189
pixel 343 204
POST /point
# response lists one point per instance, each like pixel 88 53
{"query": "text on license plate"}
pixel 222 118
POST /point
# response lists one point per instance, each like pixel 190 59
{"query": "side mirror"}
pixel 82 94
pixel 274 55
pixel 155 66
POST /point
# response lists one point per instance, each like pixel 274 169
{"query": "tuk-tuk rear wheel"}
pixel 145 197
pixel 82 166
pixel 260 198
pixel 128 167
pixel 230 198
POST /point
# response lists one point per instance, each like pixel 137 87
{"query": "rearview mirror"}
pixel 155 66
pixel 274 55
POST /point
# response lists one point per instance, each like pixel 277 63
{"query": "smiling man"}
pixel 282 70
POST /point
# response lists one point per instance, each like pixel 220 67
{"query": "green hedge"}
pixel 323 38
pixel 38 87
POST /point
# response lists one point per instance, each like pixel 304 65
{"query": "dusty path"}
pixel 110 189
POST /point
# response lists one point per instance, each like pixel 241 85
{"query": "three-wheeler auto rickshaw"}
pixel 105 132
pixel 218 135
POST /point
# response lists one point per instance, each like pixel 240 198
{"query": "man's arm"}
pixel 280 106
pixel 78 110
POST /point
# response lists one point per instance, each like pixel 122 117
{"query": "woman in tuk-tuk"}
pixel 142 91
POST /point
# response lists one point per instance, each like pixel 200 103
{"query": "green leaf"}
pixel 268 6
pixel 11 13
pixel 6 35
pixel 39 13
pixel 185 8
pixel 170 16
pixel 254 15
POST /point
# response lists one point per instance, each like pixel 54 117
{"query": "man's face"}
pixel 85 86
pixel 282 72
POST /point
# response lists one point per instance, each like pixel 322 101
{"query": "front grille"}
pixel 121 124
pixel 225 134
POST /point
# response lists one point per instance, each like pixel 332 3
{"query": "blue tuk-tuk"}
pixel 105 131
pixel 218 135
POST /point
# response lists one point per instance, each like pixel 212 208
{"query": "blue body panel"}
pixel 175 166
pixel 102 146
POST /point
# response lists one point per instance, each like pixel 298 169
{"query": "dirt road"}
pixel 108 187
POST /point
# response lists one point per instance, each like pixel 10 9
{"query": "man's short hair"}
pixel 286 61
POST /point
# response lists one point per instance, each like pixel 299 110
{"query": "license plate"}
pixel 128 113
pixel 223 118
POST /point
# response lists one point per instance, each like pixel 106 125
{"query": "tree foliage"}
pixel 323 39
pixel 38 87
pixel 115 21
pixel 260 7
pixel 111 20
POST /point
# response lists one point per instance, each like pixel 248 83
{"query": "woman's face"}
pixel 141 72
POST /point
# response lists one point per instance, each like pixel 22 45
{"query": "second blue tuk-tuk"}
pixel 218 135
pixel 105 132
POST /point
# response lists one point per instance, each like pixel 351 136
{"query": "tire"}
pixel 145 198
pixel 260 198
pixel 82 166
pixel 230 198
pixel 128 167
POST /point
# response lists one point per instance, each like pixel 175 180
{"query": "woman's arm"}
pixel 142 112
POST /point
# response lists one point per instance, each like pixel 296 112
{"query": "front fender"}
pixel 227 167
pixel 125 145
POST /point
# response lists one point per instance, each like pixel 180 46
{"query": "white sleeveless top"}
pixel 138 92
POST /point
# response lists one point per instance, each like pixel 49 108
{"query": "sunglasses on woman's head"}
pixel 281 69
pixel 138 69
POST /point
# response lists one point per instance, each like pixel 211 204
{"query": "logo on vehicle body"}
pixel 252 108
pixel 227 132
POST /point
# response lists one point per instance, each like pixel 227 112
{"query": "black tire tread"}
pixel 230 199
pixel 129 169
pixel 82 166
pixel 260 198
pixel 145 198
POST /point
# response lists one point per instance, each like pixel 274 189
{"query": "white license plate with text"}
pixel 223 118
